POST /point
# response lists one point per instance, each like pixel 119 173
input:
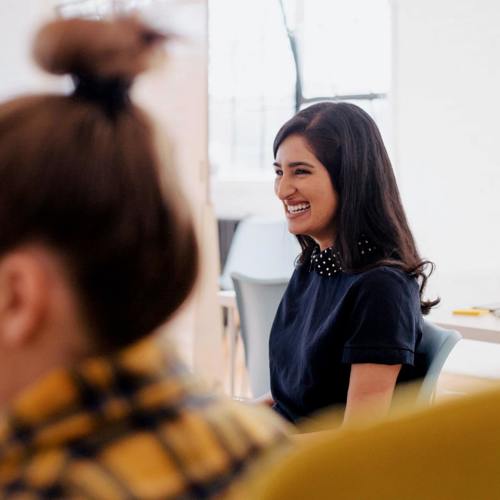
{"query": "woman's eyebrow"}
pixel 295 164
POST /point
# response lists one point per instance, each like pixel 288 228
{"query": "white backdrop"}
pixel 18 20
pixel 447 128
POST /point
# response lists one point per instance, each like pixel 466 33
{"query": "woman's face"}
pixel 304 186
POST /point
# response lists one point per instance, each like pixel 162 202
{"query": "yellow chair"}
pixel 448 451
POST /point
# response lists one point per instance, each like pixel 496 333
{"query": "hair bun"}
pixel 114 49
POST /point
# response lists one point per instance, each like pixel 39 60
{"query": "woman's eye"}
pixel 301 171
pixel 279 173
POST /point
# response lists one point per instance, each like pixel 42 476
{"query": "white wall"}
pixel 176 96
pixel 18 21
pixel 447 128
pixel 237 199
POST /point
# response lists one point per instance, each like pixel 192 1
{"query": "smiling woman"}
pixel 309 198
pixel 350 323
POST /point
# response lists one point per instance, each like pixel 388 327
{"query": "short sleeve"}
pixel 383 323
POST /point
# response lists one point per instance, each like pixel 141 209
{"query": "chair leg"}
pixel 232 332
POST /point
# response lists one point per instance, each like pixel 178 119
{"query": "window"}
pixel 250 85
pixel 343 50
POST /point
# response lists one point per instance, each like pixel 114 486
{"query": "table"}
pixel 463 291
pixel 484 328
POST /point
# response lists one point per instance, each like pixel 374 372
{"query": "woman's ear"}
pixel 22 298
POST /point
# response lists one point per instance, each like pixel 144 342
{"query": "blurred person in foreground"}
pixel 95 254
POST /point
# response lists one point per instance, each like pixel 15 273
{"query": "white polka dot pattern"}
pixel 327 263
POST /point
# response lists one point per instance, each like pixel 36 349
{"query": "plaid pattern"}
pixel 136 425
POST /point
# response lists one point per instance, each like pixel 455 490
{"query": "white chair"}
pixel 258 300
pixel 261 248
pixel 436 345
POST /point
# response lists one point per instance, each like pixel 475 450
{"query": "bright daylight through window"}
pixel 343 49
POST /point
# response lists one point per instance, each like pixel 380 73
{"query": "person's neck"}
pixel 324 244
pixel 326 239
pixel 24 368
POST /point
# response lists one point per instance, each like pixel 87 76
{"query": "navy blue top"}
pixel 327 321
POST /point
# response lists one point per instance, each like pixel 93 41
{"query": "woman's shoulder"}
pixel 385 274
pixel 383 279
pixel 385 292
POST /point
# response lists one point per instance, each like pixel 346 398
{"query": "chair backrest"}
pixel 262 248
pixel 258 300
pixel 435 347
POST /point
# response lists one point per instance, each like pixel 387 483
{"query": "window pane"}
pixel 251 85
pixel 344 48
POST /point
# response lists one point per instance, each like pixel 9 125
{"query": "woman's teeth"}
pixel 300 207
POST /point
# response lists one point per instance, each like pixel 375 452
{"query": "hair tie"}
pixel 110 93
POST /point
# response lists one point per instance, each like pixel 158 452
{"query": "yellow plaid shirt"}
pixel 135 425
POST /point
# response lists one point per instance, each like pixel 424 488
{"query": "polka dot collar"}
pixel 327 263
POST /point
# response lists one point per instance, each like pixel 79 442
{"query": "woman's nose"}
pixel 284 187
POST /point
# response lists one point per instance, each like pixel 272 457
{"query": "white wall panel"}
pixel 447 129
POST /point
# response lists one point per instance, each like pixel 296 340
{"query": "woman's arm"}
pixel 371 387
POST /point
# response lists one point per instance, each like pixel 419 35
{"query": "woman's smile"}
pixel 294 210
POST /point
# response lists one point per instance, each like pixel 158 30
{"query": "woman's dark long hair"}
pixel 346 140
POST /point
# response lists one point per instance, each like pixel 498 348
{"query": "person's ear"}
pixel 22 298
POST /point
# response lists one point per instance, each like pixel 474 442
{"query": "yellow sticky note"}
pixel 471 312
